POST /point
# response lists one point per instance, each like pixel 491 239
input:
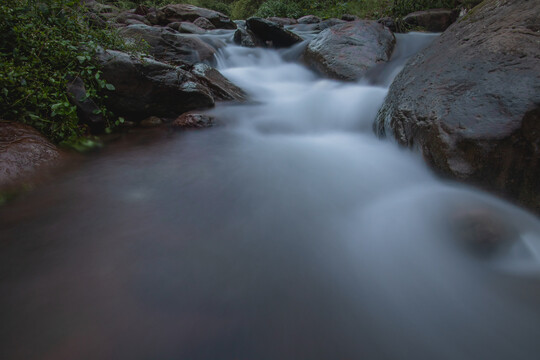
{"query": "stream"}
pixel 289 231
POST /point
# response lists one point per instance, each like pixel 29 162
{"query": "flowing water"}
pixel 288 232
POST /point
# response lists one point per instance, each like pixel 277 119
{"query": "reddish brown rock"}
pixel 192 121
pixel 23 151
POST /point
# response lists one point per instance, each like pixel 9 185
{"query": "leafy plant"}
pixel 44 44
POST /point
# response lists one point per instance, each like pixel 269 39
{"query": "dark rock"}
pixel 132 22
pixel 142 10
pixel 192 121
pixel 186 12
pixel 204 23
pixel 282 21
pixel 348 50
pixel 123 18
pixel 167 45
pixel 87 110
pixel 23 151
pixel 99 8
pixel 470 102
pixel 221 88
pixel 323 25
pixel 272 33
pixel 436 20
pixel 309 19
pixel 389 22
pixel 186 28
pixel 96 21
pixel 244 37
pixel 150 88
pixel 483 232
pixel 349 17
pixel 152 121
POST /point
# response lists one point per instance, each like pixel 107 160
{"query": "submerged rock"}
pixel 272 33
pixel 150 88
pixel 346 51
pixel 23 151
pixel 470 102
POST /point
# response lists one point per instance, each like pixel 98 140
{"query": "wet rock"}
pixel 142 10
pixel 150 88
pixel 348 50
pixel 309 19
pixel 125 16
pixel 349 17
pixel 221 88
pixel 167 45
pixel 246 38
pixel 323 25
pixel 186 12
pixel 192 121
pixel 470 102
pixel 87 110
pixel 186 28
pixel 23 152
pixel 435 20
pixel 272 33
pixel 389 22
pixel 150 122
pixel 204 23
pixel 282 21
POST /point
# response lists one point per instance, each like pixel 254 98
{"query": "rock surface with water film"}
pixel 470 102
pixel 150 88
pixel 347 51
pixel 221 88
pixel 23 151
pixel 271 33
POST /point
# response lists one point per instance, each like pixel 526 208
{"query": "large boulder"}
pixel 150 88
pixel 346 51
pixel 272 33
pixel 185 12
pixel 23 151
pixel 169 46
pixel 436 20
pixel 470 102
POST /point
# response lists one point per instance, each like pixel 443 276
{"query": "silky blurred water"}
pixel 288 232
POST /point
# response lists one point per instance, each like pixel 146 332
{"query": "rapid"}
pixel 288 231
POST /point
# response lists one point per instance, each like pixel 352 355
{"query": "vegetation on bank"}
pixel 242 9
pixel 43 46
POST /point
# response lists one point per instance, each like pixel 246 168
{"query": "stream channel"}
pixel 289 231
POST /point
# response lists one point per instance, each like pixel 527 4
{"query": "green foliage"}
pixel 243 9
pixel 404 7
pixel 280 8
pixel 42 46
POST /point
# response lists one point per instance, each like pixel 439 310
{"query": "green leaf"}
pixel 110 87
